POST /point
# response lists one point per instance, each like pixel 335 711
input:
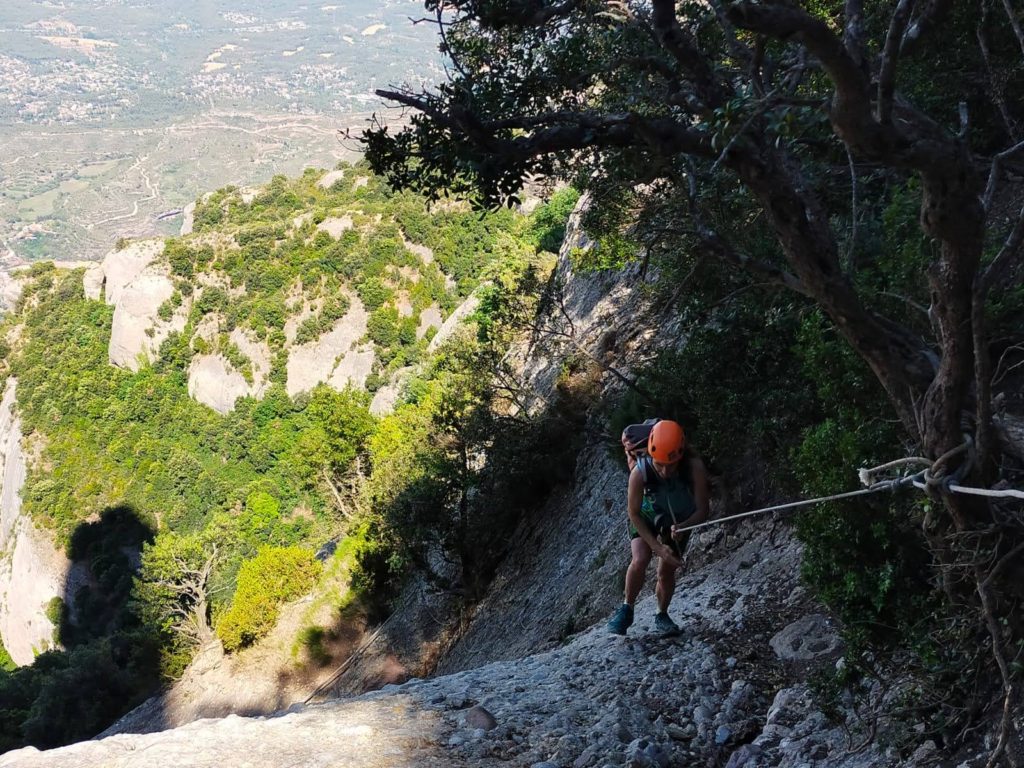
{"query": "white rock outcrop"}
pixel 335 226
pixel 429 318
pixel 92 281
pixel 386 398
pixel 135 283
pixel 33 570
pixel 121 267
pixel 316 362
pixel 454 320
pixel 188 219
pixel 212 381
pixel 10 289
pixel 13 462
pixel 422 251
pixel 330 178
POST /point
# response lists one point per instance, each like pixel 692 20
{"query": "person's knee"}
pixel 640 560
pixel 666 573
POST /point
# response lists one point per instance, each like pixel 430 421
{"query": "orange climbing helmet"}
pixel 666 443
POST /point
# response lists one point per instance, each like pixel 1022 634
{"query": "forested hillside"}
pixel 233 513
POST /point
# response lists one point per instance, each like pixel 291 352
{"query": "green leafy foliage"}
pixel 274 576
pixel 227 510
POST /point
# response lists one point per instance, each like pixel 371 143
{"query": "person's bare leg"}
pixel 637 572
pixel 666 585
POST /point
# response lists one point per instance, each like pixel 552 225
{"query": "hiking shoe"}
pixel 622 620
pixel 664 624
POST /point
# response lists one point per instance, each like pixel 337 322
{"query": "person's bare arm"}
pixel 634 500
pixel 701 498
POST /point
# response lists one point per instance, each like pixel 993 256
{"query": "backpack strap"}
pixel 647 473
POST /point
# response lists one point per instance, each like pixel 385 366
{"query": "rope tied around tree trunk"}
pixel 930 479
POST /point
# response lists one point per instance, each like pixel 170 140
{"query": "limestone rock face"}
pixel 455 319
pixel 135 284
pixel 121 267
pixel 188 219
pixel 335 227
pixel 33 570
pixel 385 398
pixel 596 699
pixel 10 290
pixel 37 572
pixel 422 251
pixel 330 178
pixel 213 382
pixel 92 282
pixel 136 330
pixel 332 357
pixel 429 318
pixel 13 462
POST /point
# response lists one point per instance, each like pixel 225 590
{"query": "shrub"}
pixel 275 575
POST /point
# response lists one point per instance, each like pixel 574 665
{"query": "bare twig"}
pixel 852 245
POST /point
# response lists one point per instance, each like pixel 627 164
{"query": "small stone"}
pixel 456 740
pixel 730 662
pixel 676 732
pixel 722 735
pixel 818 752
pixel 478 717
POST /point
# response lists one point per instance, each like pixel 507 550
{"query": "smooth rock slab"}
pixel 369 734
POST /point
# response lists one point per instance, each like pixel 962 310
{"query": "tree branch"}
pixel 680 45
pixel 890 57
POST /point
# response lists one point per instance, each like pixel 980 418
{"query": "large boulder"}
pixel 808 639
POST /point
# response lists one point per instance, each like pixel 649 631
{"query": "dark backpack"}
pixel 637 435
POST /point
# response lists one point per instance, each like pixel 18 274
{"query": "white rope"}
pixel 885 485
pixel 997 493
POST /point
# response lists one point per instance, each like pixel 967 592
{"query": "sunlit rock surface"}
pixel 32 570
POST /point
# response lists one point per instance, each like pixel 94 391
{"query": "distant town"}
pixel 114 119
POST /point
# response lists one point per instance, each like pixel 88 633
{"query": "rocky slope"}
pixel 708 697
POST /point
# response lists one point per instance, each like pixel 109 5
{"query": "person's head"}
pixel 665 446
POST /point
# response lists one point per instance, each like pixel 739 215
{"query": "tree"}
pixel 766 137
pixel 171 587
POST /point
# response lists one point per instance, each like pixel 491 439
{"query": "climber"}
pixel 668 492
